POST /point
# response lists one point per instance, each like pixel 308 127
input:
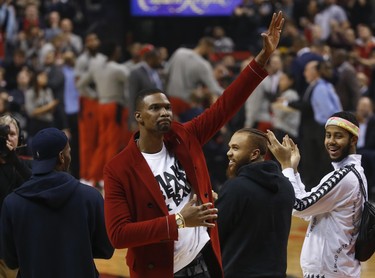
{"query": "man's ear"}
pixel 255 154
pixel 138 117
pixel 354 140
pixel 60 161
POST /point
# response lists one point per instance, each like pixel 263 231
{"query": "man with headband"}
pixel 334 206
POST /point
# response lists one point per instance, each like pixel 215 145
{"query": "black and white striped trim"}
pixel 313 276
pixel 304 203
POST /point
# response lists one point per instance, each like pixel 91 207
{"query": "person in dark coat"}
pixel 56 81
pixel 366 140
pixel 255 208
pixel 13 169
pixel 52 225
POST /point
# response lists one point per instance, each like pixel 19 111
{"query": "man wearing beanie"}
pixel 334 206
pixel 53 226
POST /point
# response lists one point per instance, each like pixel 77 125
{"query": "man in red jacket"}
pixel 158 196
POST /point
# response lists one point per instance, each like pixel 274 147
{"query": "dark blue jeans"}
pixel 196 269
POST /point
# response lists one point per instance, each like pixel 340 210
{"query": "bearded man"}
pixel 255 207
pixel 334 206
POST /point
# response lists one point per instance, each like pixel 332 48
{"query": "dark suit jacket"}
pixel 370 134
pixel 298 66
pixel 347 87
pixel 56 81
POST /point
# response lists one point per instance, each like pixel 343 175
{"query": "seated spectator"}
pixel 53 28
pixel 30 41
pixel 222 42
pixel 364 45
pixel 71 41
pixel 331 12
pixel 31 17
pixel 13 67
pixel 363 84
pixel 367 66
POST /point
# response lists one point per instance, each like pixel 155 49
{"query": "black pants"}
pixel 197 269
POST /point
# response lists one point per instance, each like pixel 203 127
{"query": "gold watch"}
pixel 180 221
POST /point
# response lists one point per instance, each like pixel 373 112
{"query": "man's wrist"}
pixel 180 221
pixel 262 58
pixel 286 165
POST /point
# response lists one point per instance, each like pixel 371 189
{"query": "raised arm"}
pixel 234 97
pixel 271 38
pixel 287 152
pixel 282 152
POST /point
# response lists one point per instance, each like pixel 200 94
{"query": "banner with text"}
pixel 183 7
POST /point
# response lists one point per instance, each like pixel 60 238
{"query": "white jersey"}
pixel 177 193
pixel 334 209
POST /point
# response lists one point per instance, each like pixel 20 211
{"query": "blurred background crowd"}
pixel 77 65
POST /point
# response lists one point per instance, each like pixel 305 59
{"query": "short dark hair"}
pixel 108 48
pixel 144 93
pixel 207 41
pixel 259 138
pixel 154 53
pixel 349 116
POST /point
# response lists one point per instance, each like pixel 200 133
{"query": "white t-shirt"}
pixel 177 192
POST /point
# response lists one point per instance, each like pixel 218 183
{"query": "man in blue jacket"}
pixel 53 226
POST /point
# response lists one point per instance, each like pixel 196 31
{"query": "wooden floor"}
pixel 116 267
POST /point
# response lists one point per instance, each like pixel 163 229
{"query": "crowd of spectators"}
pixel 51 68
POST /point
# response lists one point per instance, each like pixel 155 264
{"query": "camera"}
pixel 4 132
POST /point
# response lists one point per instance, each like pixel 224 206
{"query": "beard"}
pixel 163 127
pixel 345 152
pixel 232 170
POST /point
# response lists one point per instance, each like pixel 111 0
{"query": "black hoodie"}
pixel 254 221
pixel 53 226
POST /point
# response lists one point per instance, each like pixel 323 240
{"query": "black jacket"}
pixel 370 134
pixel 12 174
pixel 255 210
pixel 53 226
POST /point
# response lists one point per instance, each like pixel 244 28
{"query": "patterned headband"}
pixel 345 124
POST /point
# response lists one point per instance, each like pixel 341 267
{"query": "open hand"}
pixel 295 154
pixel 271 38
pixel 195 216
pixel 282 152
